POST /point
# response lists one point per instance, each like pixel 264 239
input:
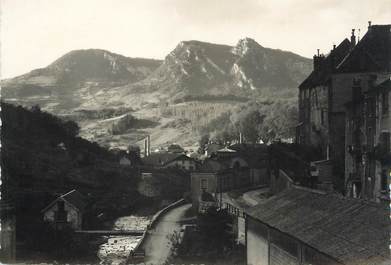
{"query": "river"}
pixel 117 248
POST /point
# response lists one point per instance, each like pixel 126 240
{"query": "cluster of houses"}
pixel 170 165
pixel 343 217
pixel 239 166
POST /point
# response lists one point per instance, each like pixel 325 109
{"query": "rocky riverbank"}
pixel 117 248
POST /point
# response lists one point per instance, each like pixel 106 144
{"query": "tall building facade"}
pixel 343 110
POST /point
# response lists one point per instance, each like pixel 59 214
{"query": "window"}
pixel 204 184
pixel 384 102
pixel 61 206
pixel 370 137
pixel 323 116
pixel 356 93
pixel 356 189
pixel 385 141
pixel 372 107
pixel 61 214
pixel 384 180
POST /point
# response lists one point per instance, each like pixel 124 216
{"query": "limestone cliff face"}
pixel 200 68
pixel 98 88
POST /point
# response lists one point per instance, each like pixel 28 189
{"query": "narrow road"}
pixel 157 245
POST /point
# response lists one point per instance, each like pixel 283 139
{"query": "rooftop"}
pixel 226 150
pixel 73 197
pixel 371 54
pixel 161 159
pixel 352 231
pixel 321 75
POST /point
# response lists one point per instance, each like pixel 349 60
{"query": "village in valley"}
pixel 319 197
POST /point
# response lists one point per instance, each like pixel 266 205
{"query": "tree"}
pixel 214 227
pixel 71 128
pixel 204 140
pixel 255 120
pixel 250 125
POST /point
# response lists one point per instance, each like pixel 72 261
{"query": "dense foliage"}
pixel 42 157
pixel 212 242
pixel 265 121
pixel 129 122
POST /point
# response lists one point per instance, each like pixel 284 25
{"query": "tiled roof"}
pixel 352 231
pixel 160 159
pixel 386 84
pixel 371 54
pixel 321 75
pixel 253 154
pixel 382 85
pixel 226 150
pixel 212 166
pixel 73 197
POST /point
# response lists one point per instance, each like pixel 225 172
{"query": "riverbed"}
pixel 117 248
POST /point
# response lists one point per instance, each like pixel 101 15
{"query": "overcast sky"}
pixel 36 32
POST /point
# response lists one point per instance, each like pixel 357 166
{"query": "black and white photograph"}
pixel 195 132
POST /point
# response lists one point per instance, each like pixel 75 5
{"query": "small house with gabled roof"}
pixel 239 166
pixel 170 160
pixel 67 209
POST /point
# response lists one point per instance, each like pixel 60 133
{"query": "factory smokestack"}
pixel 145 147
pixel 149 144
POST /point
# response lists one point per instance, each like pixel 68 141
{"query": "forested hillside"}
pixel 42 157
pixel 195 83
pixel 255 120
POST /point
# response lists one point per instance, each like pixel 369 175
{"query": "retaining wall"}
pixel 155 219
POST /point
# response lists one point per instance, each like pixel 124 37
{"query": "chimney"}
pixel 318 59
pixel 369 24
pixel 145 147
pixel 353 39
pixel 149 144
pixel 332 64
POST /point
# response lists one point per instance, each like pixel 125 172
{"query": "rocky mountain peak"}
pixel 245 45
pixel 194 71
